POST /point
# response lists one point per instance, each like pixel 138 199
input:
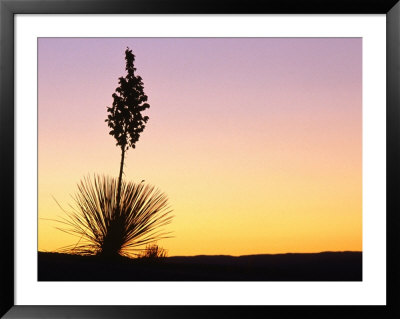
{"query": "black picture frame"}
pixel 8 8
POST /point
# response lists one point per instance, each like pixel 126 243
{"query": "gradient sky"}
pixel 256 141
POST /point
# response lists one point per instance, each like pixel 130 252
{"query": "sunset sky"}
pixel 256 141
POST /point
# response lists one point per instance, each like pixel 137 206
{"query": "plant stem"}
pixel 121 168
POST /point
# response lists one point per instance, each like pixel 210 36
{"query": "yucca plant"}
pixel 107 228
pixel 153 251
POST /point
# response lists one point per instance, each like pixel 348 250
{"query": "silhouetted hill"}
pixel 325 266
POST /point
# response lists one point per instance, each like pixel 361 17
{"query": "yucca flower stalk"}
pixel 108 228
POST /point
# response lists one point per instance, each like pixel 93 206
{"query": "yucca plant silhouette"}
pixel 112 217
pixel 153 251
pixel 108 229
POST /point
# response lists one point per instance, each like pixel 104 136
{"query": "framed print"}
pixel 166 159
pixel 251 226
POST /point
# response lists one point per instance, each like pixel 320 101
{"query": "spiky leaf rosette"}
pixel 104 229
pixel 153 251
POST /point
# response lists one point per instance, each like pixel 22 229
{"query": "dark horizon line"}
pixel 287 253
pixel 234 256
